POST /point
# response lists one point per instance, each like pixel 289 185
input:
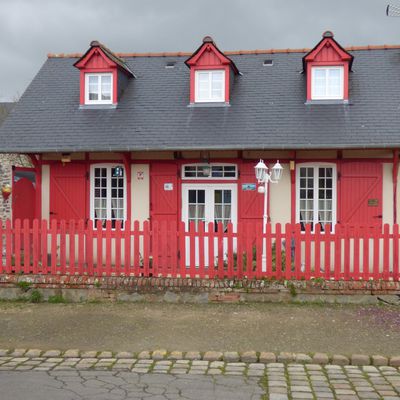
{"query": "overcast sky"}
pixel 29 29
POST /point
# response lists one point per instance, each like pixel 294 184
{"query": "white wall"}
pixel 387 201
pixel 280 198
pixel 140 192
pixel 45 192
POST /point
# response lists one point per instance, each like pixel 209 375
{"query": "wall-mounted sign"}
pixel 373 202
pixel 168 186
pixel 140 175
pixel 248 186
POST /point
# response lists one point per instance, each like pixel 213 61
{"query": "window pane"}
pixel 93 81
pixel 106 87
pixel 201 196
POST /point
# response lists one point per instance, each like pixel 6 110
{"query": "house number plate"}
pixel 168 186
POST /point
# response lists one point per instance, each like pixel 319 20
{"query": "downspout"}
pixel 395 174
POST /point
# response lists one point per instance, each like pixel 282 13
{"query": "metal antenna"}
pixel 392 11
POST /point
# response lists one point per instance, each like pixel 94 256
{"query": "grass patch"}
pixel 35 297
pixel 57 299
pixel 24 285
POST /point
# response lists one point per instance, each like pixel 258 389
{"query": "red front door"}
pixel 361 193
pixel 68 192
pixel 24 194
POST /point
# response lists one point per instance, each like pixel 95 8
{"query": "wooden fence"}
pixel 172 250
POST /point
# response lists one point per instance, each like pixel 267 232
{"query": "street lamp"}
pixel 263 177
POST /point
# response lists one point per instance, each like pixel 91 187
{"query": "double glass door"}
pixel 205 203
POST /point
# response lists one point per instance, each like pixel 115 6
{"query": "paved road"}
pixel 106 385
pixel 276 382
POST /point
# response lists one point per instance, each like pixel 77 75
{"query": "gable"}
pixel 328 50
pixel 95 59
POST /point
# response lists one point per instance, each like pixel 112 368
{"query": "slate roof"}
pixel 5 108
pixel 267 110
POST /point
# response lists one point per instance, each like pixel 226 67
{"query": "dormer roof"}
pixel 328 49
pixel 209 45
pixel 110 58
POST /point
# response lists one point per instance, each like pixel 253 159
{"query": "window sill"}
pixel 210 104
pixel 327 102
pixel 97 106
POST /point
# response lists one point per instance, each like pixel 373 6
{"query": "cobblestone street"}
pixel 110 379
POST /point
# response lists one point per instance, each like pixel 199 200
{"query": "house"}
pixel 176 136
pixel 10 165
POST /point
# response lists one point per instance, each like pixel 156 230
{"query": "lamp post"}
pixel 263 177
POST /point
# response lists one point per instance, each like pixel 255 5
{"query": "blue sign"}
pixel 248 186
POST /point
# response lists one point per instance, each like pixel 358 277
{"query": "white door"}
pixel 204 203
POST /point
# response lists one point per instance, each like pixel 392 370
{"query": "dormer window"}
pixel 211 74
pixel 327 83
pixel 210 86
pixel 327 67
pixel 103 76
pixel 98 88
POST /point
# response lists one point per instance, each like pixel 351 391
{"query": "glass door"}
pixel 205 203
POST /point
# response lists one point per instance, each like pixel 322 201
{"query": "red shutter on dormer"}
pixel 99 59
pixel 328 52
pixel 209 57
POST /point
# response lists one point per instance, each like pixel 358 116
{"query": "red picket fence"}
pixel 171 250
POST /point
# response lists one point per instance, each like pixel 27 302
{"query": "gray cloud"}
pixel 29 29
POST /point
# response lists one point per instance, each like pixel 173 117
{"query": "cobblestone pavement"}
pixel 120 379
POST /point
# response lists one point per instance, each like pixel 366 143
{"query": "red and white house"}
pixel 175 137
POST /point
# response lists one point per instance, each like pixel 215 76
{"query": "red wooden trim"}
pixel 35 245
pixel 207 46
pixel 44 259
pixel 220 247
pixel 127 165
pixel 146 248
pixel 71 254
pixel 278 251
pixel 201 250
pixel 395 178
pixel 317 246
pixel 53 236
pixel 63 256
pixel 211 258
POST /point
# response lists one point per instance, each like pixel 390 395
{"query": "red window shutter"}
pixel 361 193
pixel 68 191
pixel 164 203
pixel 251 202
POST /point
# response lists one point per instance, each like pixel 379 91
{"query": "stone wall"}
pixel 186 290
pixel 6 163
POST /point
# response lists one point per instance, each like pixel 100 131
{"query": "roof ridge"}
pixel 229 53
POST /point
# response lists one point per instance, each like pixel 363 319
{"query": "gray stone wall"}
pixel 6 163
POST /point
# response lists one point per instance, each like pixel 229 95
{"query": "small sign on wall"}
pixel 140 175
pixel 248 186
pixel 373 202
pixel 168 186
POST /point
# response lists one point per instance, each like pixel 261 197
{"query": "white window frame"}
pixel 327 69
pixel 316 187
pixel 231 178
pixel 99 101
pixel 209 99
pixel 109 188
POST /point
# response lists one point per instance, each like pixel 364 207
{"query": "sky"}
pixel 29 29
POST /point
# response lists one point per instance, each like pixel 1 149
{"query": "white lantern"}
pixel 277 170
pixel 261 171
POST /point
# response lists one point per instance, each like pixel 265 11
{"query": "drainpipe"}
pixel 395 174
